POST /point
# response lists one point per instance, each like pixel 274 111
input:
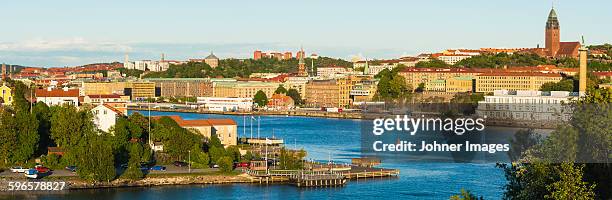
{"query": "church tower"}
pixel 552 37
pixel 301 64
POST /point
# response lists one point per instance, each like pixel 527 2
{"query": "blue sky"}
pixel 71 32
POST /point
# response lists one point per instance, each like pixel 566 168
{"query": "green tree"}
pixel 465 195
pixel 295 95
pixel 216 153
pixel 67 125
pixel 27 136
pixel 280 90
pixel 8 137
pixel 43 115
pixel 391 85
pixel 563 85
pixel 133 171
pixel 523 140
pixel 199 159
pixel 433 63
pixel 420 88
pixel 570 185
pixel 95 165
pixel 260 99
pixel 177 140
pixel 226 164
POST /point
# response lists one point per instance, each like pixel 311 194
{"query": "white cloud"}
pixel 70 44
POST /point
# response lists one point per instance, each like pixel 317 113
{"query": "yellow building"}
pixel 489 82
pixel 416 76
pixel 7 95
pixel 329 93
pixel 243 89
pixel 103 88
pixel 460 84
pixel 436 86
pixel 297 83
pixel 141 90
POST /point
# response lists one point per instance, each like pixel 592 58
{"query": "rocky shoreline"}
pixel 160 181
pixel 77 184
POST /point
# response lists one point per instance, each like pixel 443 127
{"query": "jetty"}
pixel 336 175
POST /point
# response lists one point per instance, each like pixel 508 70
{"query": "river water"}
pixel 338 139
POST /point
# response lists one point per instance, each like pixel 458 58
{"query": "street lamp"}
pixel 189 161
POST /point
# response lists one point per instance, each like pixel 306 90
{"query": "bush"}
pixel 200 160
pixel 52 161
pixel 225 164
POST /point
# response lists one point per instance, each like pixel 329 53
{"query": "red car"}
pixel 243 164
pixel 42 169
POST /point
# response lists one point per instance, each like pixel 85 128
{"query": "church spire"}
pixel 553 21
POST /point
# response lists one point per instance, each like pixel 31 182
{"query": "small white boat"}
pixel 31 173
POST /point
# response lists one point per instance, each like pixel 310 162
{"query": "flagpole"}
pixel 258 119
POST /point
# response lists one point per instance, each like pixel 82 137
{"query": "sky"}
pixel 76 32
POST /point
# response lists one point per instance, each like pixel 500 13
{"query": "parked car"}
pixel 18 169
pixel 42 169
pixel 212 165
pixel 180 163
pixel 31 173
pixel 71 168
pixel 242 164
pixel 158 168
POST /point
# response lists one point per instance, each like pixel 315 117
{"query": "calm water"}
pixel 322 138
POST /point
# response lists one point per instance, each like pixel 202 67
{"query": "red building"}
pixel 257 55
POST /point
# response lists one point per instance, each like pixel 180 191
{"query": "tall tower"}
pixel 3 71
pixel 301 64
pixel 552 36
pixel 582 56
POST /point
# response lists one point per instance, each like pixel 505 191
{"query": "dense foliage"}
pixel 547 168
pixel 391 85
pixel 563 85
pixel 28 129
pixel 295 95
pixel 130 72
pixel 260 99
pixel 230 68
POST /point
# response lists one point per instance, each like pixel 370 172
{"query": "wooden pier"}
pixel 318 179
pixel 370 173
pixel 310 178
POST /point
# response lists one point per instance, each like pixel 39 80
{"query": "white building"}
pixel 105 116
pixel 147 65
pixel 331 71
pixel 452 59
pixel 104 98
pixel 57 97
pixel 226 104
pixel 526 105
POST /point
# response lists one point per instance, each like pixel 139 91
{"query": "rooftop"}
pixel 57 93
